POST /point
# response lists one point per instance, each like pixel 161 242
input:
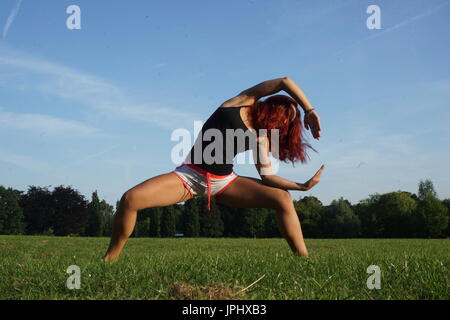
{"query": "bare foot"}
pixel 302 254
pixel 108 258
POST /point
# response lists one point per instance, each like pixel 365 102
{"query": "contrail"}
pixel 89 157
pixel 11 17
pixel 412 19
pixel 398 25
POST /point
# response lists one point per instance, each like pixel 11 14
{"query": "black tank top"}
pixel 238 138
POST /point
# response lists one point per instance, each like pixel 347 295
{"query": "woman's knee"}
pixel 128 200
pixel 282 199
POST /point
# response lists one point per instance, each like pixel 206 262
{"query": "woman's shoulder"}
pixel 232 106
pixel 238 101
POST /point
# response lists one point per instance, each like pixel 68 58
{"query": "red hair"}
pixel 276 112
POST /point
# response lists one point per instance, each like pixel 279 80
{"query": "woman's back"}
pixel 224 130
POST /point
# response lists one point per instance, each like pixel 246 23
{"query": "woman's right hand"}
pixel 314 180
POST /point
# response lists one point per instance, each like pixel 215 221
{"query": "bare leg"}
pixel 292 231
pixel 159 191
pixel 247 192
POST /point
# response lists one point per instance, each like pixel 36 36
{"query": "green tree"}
pixel 38 210
pixel 191 218
pixel 95 217
pixel 367 214
pixel 142 228
pixel 426 188
pixel 144 223
pixel 249 222
pixel 107 211
pixel 309 210
pixel 232 221
pixel 61 212
pixel 155 221
pixel 271 228
pixel 211 224
pixel 396 215
pixel 71 211
pixel 446 203
pixel 339 220
pixel 11 214
pixel 432 216
pixel 168 223
pixel 254 220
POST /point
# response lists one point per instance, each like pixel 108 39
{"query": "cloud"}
pixel 42 123
pixel 11 17
pixel 23 161
pixel 105 98
pixel 412 19
pixel 159 65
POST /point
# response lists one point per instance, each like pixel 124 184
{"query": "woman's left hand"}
pixel 314 180
pixel 312 121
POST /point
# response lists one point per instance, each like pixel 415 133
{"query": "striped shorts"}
pixel 200 182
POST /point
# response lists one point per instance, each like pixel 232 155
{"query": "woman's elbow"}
pixel 268 179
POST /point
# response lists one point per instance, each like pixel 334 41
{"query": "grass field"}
pixel 35 268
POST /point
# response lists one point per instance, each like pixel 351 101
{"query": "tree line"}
pixel 64 211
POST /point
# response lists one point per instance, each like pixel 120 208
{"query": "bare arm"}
pixel 264 168
pixel 251 95
pixel 290 87
pixel 269 87
pixel 263 89
pixel 311 119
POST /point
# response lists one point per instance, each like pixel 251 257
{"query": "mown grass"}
pixel 35 268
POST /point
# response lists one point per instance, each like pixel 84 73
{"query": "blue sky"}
pixel 95 108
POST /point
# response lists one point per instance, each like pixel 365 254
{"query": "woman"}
pixel 198 175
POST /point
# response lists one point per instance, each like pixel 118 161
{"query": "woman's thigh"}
pixel 247 192
pixel 159 191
